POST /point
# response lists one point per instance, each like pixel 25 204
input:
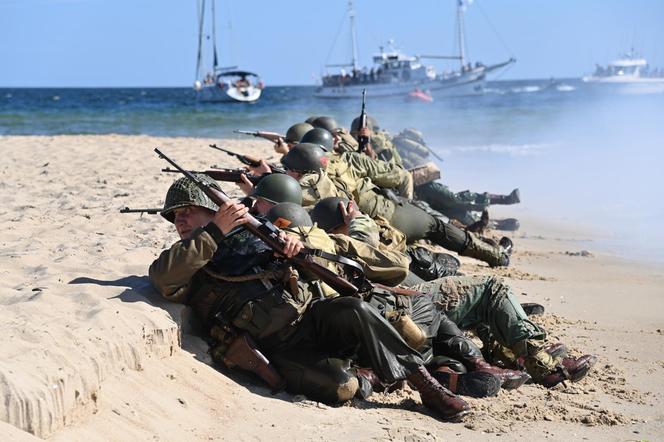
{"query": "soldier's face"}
pixel 188 219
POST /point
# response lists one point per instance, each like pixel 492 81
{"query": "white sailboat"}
pixel 221 84
pixel 396 74
pixel 629 74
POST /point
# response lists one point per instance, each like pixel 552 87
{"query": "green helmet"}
pixel 295 133
pixel 183 192
pixel 326 213
pixel 328 123
pixel 289 215
pixel 321 137
pixel 372 124
pixel 279 188
pixel 305 157
pixel 311 119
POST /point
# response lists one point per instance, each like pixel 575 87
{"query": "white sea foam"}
pixel 565 88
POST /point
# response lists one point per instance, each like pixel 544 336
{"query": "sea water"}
pixel 582 155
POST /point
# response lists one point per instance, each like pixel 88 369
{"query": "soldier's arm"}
pixel 364 229
pixel 171 272
pixel 379 264
pixel 381 173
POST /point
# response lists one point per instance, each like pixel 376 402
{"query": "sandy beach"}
pixel 91 353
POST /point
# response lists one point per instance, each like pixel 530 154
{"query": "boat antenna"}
pixel 201 18
pixel 214 36
pixel 353 33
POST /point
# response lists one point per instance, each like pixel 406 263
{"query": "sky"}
pixel 144 43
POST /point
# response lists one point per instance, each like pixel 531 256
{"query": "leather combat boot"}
pixel 474 384
pixel 572 369
pixel 479 226
pixel 507 245
pixel 492 255
pixel 436 397
pixel 513 198
pixel 508 224
pixel 511 379
pixel 532 308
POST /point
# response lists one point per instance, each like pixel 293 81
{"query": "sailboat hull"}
pixel 215 94
pixel 453 86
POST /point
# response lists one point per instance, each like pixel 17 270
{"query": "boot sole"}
pixel 580 374
pixel 475 384
pixel 515 382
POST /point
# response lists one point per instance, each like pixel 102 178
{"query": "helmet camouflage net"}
pixel 183 192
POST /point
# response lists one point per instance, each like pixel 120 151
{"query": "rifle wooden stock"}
pixel 243 352
pixel 228 175
pixel 269 234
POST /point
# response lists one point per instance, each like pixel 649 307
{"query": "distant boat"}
pixel 395 73
pixel 227 84
pixel 630 74
pixel 420 95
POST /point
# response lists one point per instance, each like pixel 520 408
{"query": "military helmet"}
pixel 305 157
pixel 289 215
pixel 278 188
pixel 295 133
pixel 326 213
pixel 372 124
pixel 328 123
pixel 311 119
pixel 183 192
pixel 319 136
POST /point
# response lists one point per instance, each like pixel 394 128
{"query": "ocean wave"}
pixel 519 150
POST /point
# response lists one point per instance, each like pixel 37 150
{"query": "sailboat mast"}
pixel 214 36
pixel 201 20
pixel 353 33
pixel 460 33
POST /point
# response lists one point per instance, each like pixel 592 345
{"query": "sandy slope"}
pixel 91 353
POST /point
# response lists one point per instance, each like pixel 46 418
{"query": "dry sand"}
pixel 90 352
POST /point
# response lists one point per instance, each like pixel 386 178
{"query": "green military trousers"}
pixel 459 205
pixel 474 301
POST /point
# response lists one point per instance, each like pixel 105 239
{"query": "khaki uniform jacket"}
pixel 173 270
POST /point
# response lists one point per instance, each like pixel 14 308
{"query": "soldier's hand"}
pixel 245 185
pixel 280 146
pixel 262 168
pixel 230 215
pixel 349 211
pixel 370 152
pixel 292 245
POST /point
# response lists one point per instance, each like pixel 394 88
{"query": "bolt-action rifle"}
pixel 228 175
pixel 363 140
pixel 270 136
pixel 149 211
pixel 244 159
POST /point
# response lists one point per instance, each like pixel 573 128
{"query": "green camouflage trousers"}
pixel 487 302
